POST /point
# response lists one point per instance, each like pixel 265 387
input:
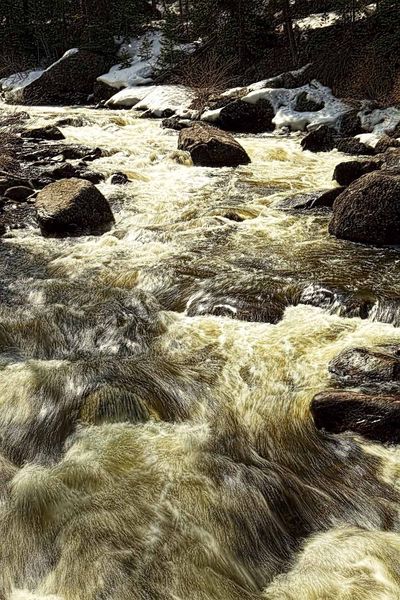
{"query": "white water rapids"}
pixel 152 447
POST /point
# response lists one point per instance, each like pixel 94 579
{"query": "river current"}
pixel 156 441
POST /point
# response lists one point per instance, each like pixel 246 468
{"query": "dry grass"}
pixel 207 76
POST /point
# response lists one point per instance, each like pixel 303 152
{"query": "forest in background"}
pixel 247 40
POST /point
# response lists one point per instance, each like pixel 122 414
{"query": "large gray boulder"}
pixel 211 147
pixel 239 116
pixel 69 80
pixel 72 207
pixel 368 211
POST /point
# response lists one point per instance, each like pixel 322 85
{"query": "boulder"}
pixel 375 417
pixel 71 122
pixel 306 104
pixel 385 143
pixel 349 124
pixel 347 172
pixel 176 123
pixel 320 139
pixel 11 181
pixel 72 207
pixel 368 211
pixel 354 147
pixel 18 193
pixel 70 80
pixel 50 132
pixel 119 178
pixel 211 147
pixel 363 365
pixel 244 117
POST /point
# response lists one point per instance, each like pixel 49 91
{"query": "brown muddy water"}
pixel 155 435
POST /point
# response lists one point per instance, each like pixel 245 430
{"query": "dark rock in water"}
pixel 375 417
pixel 18 193
pixel 92 176
pixel 346 304
pixel 354 147
pixel 102 92
pixel 119 179
pixel 10 182
pixel 391 159
pixel 312 200
pixel 347 172
pixel 321 139
pixel 176 123
pixel 349 124
pixel 240 116
pixel 71 122
pixel 306 104
pixel 211 147
pixel 72 207
pixel 385 143
pixel 363 365
pixel 70 80
pixel 232 216
pixel 368 211
pixel 59 171
pixel 50 132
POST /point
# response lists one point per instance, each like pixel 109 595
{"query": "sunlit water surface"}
pixel 153 446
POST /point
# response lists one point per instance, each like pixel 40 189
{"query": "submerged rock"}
pixel 375 417
pixel 324 199
pixel 364 365
pixel 211 147
pixel 368 211
pixel 73 207
pixel 347 172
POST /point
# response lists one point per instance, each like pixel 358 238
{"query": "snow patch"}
pixel 129 97
pixel 176 98
pixel 283 102
pixel 19 80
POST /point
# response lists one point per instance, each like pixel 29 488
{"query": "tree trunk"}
pixel 287 13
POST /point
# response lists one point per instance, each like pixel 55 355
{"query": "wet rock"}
pixel 385 143
pixel 313 200
pixel 375 417
pixel 211 147
pixel 306 104
pixel 59 171
pixel 92 176
pixel 363 365
pixel 239 116
pixel 72 207
pixel 354 147
pixel 347 172
pixel 11 181
pixel 71 122
pixel 119 178
pixel 70 80
pixel 50 132
pixel 176 123
pixel 349 124
pixel 18 193
pixel 232 216
pixel 368 211
pixel 321 139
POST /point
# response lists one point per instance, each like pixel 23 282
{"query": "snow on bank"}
pixel 378 123
pixel 128 97
pixel 327 19
pixel 175 98
pixel 284 101
pixel 142 53
pixel 19 80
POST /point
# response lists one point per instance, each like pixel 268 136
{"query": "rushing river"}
pixel 154 447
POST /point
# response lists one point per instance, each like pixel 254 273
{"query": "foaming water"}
pixel 155 434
